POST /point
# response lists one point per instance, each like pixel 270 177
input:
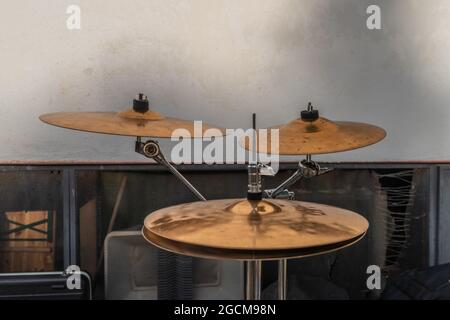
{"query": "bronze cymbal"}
pixel 301 137
pixel 249 229
pixel 127 123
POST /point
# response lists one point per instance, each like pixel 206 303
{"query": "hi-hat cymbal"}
pixel 249 229
pixel 301 137
pixel 127 123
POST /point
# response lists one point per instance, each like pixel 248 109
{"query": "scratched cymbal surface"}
pixel 243 229
pixel 127 123
pixel 300 137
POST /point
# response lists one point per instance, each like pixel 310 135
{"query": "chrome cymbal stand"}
pixel 306 170
pixel 253 283
pixel 254 193
pixel 151 149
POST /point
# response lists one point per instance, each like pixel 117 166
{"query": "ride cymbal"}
pixel 249 229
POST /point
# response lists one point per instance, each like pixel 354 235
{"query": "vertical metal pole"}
pixel 253 285
pixel 70 218
pixel 282 279
pixel 434 180
pixel 254 153
pixel 65 183
pixel 74 219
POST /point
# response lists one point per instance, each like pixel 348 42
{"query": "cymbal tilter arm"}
pixel 151 149
pixel 306 170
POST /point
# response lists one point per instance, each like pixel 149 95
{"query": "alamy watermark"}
pixel 73 22
pixel 74 277
pixel 227 147
pixel 374 279
pixel 373 22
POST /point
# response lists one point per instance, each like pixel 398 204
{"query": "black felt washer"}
pixel 140 105
pixel 309 115
pixel 254 195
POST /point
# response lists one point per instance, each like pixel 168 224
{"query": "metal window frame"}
pixel 437 231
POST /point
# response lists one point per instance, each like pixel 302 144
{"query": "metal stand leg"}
pixel 253 285
pixel 282 281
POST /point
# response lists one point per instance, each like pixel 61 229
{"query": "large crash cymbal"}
pixel 318 136
pixel 249 229
pixel 127 123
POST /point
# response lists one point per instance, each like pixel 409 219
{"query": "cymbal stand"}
pixel 253 267
pixel 152 150
pixel 306 170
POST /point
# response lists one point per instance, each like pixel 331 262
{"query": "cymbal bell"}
pixel 128 123
pixel 250 229
pixel 302 137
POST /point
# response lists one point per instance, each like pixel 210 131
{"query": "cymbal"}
pixel 127 123
pixel 249 229
pixel 301 137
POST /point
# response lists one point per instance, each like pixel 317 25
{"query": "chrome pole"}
pixel 253 284
pixel 282 279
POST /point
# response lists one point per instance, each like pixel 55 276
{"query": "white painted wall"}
pixel 221 60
